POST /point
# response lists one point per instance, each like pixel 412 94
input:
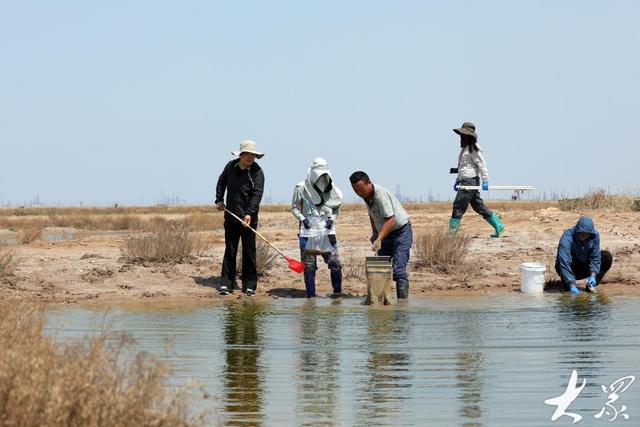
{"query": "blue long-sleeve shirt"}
pixel 571 248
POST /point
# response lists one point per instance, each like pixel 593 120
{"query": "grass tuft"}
pixel 97 382
pixel 440 250
pixel 29 235
pixel 203 243
pixel 171 243
pixel 354 268
pixel 266 258
pixel 599 200
pixel 8 262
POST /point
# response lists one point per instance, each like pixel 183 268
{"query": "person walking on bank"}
pixel 471 167
pixel 392 234
pixel 579 256
pixel 243 181
pixel 316 204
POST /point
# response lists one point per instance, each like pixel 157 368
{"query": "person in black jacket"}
pixel 243 181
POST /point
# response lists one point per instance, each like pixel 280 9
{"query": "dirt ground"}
pixel 91 267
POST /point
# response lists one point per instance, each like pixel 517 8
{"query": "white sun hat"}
pixel 248 146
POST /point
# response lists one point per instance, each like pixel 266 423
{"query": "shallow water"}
pixel 8 238
pixel 472 361
pixel 58 235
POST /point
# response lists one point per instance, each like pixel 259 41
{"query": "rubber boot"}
pixel 402 290
pixel 494 220
pixel 454 225
pixel 336 281
pixel 310 283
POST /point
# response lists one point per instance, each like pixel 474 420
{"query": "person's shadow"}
pixel 210 282
pixel 553 286
pixel 287 293
pixel 301 293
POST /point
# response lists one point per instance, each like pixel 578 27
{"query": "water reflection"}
pixel 469 364
pixel 243 376
pixel 388 376
pixel 472 362
pixel 580 321
pixel 318 365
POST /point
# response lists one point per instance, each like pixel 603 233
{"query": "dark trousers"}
pixel 581 269
pixel 464 197
pixel 233 232
pixel 397 245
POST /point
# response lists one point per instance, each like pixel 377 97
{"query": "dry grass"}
pixel 203 243
pixel 204 221
pixel 137 211
pixel 599 200
pixel 266 258
pixel 120 222
pixel 8 262
pixel 436 207
pixel 19 224
pixel 111 222
pixel 130 210
pixel 196 218
pixel 29 235
pixel 172 243
pixel 98 382
pixel 440 250
pixel 550 274
pixel 98 211
pixel 354 268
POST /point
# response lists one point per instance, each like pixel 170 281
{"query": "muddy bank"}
pixel 90 267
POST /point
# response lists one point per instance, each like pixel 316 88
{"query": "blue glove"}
pixel 455 186
pixel 485 186
pixel 574 289
pixel 328 224
pixel 306 224
pixel 592 281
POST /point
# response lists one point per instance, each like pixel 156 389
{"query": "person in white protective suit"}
pixel 316 204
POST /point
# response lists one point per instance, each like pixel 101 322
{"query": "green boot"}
pixel 494 220
pixel 454 225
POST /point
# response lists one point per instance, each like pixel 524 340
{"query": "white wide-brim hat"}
pixel 248 146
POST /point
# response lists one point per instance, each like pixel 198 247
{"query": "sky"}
pixel 138 102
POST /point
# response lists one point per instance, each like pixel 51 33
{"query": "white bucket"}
pixel 532 277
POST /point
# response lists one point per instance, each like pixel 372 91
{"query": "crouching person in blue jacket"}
pixel 579 256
